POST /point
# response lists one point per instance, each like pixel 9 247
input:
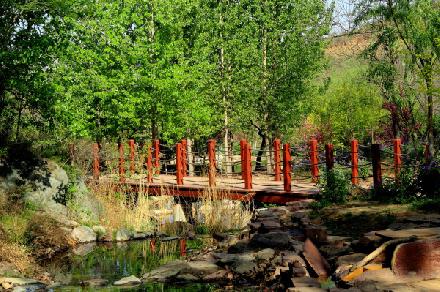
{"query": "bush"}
pixel 335 188
pixel 413 185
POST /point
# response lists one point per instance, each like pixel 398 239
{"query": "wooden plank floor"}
pixel 264 188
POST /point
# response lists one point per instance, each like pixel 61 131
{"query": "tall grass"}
pixel 143 212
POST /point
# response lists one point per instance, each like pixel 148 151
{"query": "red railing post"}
pixel 397 143
pixel 354 162
pixel 131 145
pixel 149 165
pixel 156 156
pixel 182 245
pixel 184 157
pixel 242 156
pixel 377 168
pixel 212 164
pixel 153 245
pixel 179 170
pixel 248 167
pixel 314 159
pixel 121 162
pixel 277 160
pixel 96 161
pixel 287 168
pixel 329 157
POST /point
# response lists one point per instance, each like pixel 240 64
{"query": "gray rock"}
pixel 278 240
pixel 244 266
pixel 201 268
pixel 84 249
pixel 239 247
pixel 128 281
pixel 95 282
pixel 350 259
pixel 187 278
pixel 265 255
pixel 83 234
pixel 123 235
pixel 167 272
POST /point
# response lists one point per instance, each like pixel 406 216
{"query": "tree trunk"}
pixel 190 156
pixel 258 164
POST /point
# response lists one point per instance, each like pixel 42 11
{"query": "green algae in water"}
pixel 145 287
pixel 113 261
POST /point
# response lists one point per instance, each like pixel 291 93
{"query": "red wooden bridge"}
pixel 292 175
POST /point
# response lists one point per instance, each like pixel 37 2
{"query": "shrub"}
pixel 335 188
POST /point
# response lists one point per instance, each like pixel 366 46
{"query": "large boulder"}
pixel 83 234
pixel 167 272
pixel 275 240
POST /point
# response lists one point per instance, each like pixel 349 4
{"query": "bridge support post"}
pixel 156 156
pixel 354 162
pixel 149 165
pixel 314 159
pixel 184 157
pixel 248 166
pixel 329 157
pixel 287 168
pixel 377 168
pixel 242 156
pixel 277 149
pixel 397 143
pixel 132 166
pixel 121 162
pixel 212 166
pixel 182 245
pixel 179 164
pixel 96 161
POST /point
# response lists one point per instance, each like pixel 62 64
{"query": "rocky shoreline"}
pixel 284 248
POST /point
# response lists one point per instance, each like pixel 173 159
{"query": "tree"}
pixel 28 42
pixel 405 47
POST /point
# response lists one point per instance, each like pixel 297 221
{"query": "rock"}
pixel 315 259
pixel 306 282
pixel 123 235
pixel 201 268
pixel 128 281
pixel 369 242
pixel 265 255
pixel 316 233
pixel 95 282
pixel 429 285
pixel 19 281
pixel 84 249
pixel 305 289
pixel 406 233
pixel 220 236
pixel 337 241
pixel 187 278
pixel 239 247
pixel 278 240
pixel 244 266
pixel 83 234
pixel 280 269
pixel 167 272
pixel 219 276
pixel 331 251
pixel 350 259
pixel 7 285
pixel 141 235
pixel 287 257
pixel 420 258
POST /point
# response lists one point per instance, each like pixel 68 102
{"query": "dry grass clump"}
pixel 122 209
pixel 218 213
pixel 18 256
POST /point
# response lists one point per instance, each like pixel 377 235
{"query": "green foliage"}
pixel 334 187
pixel 349 107
pixel 414 185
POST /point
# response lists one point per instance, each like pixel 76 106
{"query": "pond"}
pixel 113 261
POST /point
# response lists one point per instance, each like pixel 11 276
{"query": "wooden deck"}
pixel 264 188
